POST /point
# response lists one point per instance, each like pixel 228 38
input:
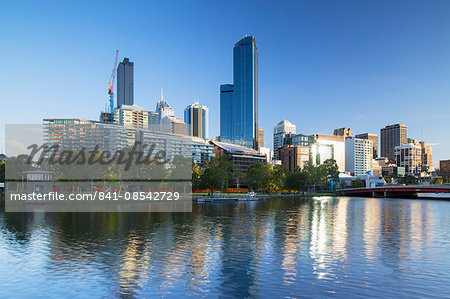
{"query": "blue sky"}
pixel 322 64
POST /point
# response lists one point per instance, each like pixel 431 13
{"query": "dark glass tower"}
pixel 125 83
pixel 239 101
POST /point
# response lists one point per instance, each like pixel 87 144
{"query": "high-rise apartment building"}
pixel 239 101
pixel 373 138
pixel 125 83
pixel 196 117
pixel 358 156
pixel 346 132
pixel 283 129
pixel 390 137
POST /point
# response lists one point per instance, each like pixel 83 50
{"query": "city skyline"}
pixel 324 87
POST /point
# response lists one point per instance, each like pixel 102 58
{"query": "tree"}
pixel 197 172
pixel 258 176
pixel 2 171
pixel 215 178
pixel 277 178
pixel 297 181
pixel 332 171
pixel 358 183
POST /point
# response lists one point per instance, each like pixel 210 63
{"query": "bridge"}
pixel 409 191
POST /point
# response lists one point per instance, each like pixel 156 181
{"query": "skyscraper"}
pixel 239 101
pixel 390 137
pixel 196 117
pixel 125 83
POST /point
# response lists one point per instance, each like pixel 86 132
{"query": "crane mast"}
pixel 111 88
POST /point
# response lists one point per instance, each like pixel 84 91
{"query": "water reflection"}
pixel 279 247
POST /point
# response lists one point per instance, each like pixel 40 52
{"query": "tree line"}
pixel 221 172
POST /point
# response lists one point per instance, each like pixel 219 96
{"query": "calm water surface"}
pixel 327 247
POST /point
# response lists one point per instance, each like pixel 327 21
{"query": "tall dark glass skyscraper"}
pixel 125 83
pixel 239 101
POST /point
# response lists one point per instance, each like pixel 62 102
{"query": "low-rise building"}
pixel 241 156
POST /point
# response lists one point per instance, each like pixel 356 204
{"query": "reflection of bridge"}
pixel 396 191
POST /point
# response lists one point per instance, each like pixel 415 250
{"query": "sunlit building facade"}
pixel 239 101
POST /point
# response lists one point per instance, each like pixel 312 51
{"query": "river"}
pixel 281 247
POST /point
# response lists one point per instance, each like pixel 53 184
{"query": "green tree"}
pixel 215 178
pixel 258 176
pixel 332 171
pixel 2 171
pixel 358 183
pixel 297 181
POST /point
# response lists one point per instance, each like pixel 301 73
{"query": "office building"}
pixel 373 138
pixel 444 168
pixel 427 157
pixel 196 117
pixel 173 125
pixel 358 156
pixel 260 137
pixel 409 156
pixel 153 121
pixel 345 132
pixel 322 151
pixel 280 132
pixel 125 83
pixel 239 101
pixel 390 137
pixel 131 116
pixel 163 109
pixel 293 157
pixel 241 156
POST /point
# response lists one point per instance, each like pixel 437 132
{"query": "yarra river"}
pixel 296 247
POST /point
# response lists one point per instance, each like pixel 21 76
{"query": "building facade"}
pixel 427 157
pixel 131 116
pixel 241 156
pixel 409 156
pixel 239 101
pixel 390 137
pixel 293 157
pixel 260 137
pixel 358 156
pixel 444 168
pixel 373 138
pixel 280 132
pixel 125 83
pixel 345 132
pixel 196 117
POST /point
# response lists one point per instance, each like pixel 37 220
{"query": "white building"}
pixel 409 155
pixel 280 131
pixel 321 150
pixel 358 156
pixel 266 151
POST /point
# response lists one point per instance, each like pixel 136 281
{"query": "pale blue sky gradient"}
pixel 322 64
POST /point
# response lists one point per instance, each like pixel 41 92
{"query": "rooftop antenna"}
pixel 162 95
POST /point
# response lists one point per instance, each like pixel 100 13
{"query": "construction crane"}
pixel 111 88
